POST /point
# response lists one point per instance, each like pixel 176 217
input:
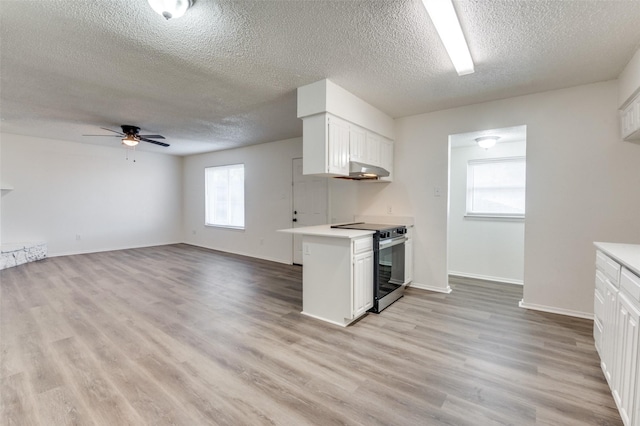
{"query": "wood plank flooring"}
pixel 179 335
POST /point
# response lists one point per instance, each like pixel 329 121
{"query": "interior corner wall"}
pixel 629 80
pixel 268 200
pixel 485 248
pixel 582 186
pixel 82 198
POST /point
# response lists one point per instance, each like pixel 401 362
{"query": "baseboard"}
pixel 486 278
pixel 419 286
pixel 554 310
pixel 323 319
pixel 267 258
pixel 102 250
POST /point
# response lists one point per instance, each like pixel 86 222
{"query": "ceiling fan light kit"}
pixel 170 8
pixel 131 136
pixel 130 140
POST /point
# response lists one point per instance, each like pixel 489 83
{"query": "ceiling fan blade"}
pixel 152 136
pixel 109 136
pixel 109 130
pixel 154 142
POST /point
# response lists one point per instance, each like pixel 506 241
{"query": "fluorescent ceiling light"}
pixel 446 22
pixel 170 8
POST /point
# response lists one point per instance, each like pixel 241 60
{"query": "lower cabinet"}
pixel 362 283
pixel 408 257
pixel 617 332
pixel 626 358
pixel 337 277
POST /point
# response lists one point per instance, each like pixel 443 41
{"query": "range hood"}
pixel 362 171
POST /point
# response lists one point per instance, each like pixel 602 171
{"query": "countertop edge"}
pixel 626 254
pixel 327 231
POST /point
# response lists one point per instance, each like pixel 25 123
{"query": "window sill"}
pixel 506 217
pixel 232 228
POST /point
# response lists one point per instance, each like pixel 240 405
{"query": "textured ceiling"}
pixel 225 74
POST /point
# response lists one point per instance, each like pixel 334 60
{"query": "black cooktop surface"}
pixel 367 226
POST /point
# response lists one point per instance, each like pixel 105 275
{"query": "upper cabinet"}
pixel 630 120
pixel 325 146
pixel 329 143
pixel 339 128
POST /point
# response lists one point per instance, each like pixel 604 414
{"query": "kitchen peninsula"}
pixel 337 277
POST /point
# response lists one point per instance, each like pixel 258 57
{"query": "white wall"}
pixel 582 186
pixel 268 203
pixel 64 189
pixel 485 248
pixel 629 80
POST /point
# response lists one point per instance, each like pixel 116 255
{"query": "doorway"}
pixel 486 221
pixel 310 204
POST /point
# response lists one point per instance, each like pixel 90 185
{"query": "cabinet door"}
pixel 408 261
pixel 626 362
pixel 386 157
pixel 357 144
pixel 373 149
pixel 362 283
pixel 609 331
pixel 338 149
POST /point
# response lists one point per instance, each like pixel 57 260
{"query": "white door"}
pixel 310 200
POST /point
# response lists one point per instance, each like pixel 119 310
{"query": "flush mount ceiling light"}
pixel 170 8
pixel 487 142
pixel 130 140
pixel 446 22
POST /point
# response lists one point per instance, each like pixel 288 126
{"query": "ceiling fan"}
pixel 131 136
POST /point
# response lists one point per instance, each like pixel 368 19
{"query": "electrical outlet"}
pixel 436 191
pixel 389 210
pixel 261 241
pixel 78 238
pixel 193 232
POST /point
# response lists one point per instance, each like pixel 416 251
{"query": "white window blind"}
pixel 224 196
pixel 496 187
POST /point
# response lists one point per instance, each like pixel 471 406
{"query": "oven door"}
pixel 390 266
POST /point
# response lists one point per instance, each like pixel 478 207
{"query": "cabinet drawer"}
pixel 601 261
pixel 362 245
pixel 630 282
pixel 612 271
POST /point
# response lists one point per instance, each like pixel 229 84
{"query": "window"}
pixel 224 196
pixel 496 187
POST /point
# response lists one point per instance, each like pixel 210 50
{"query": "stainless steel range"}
pixel 388 261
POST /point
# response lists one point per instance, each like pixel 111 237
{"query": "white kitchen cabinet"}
pixel 616 325
pixel 386 158
pixel 329 143
pixel 630 120
pixel 408 256
pixel 373 149
pixel 626 358
pixel 357 144
pixel 362 283
pixel 609 331
pixel 325 146
pixel 337 277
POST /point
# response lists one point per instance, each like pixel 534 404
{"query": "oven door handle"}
pixel 392 242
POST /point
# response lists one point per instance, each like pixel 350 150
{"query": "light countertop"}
pixel 327 231
pixel 626 254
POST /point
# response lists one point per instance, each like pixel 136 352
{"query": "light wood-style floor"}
pixel 188 336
